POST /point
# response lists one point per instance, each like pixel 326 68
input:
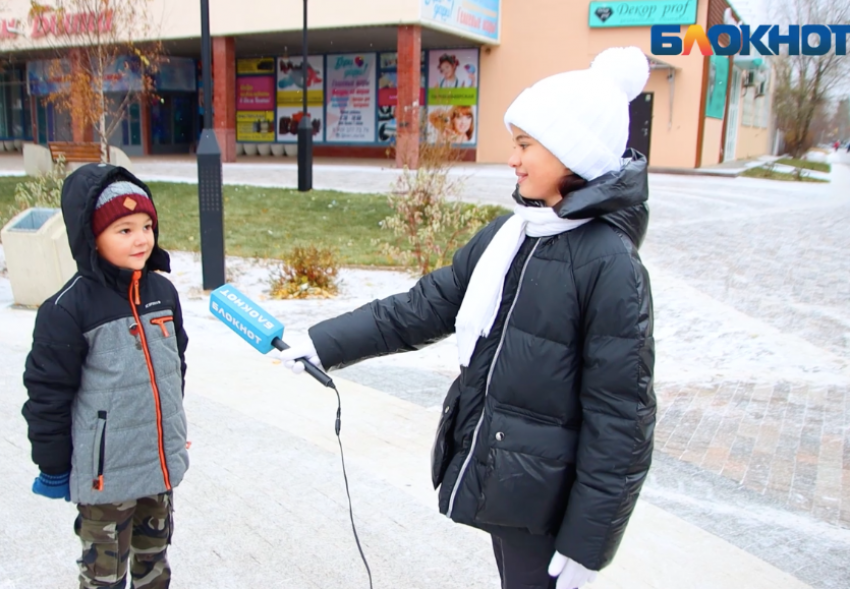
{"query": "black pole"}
pixel 206 62
pixel 210 200
pixel 305 126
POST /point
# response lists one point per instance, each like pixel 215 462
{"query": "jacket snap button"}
pixel 447 410
pixel 500 436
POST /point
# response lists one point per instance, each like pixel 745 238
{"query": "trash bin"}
pixel 38 257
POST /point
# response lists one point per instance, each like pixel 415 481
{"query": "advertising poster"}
pixel 452 95
pixel 288 118
pixel 388 94
pixel 351 106
pixel 290 97
pixel 478 19
pixel 290 81
pixel 255 93
pixel 258 66
pixel 255 126
pixel 718 80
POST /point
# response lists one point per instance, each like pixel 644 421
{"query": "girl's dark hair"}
pixel 450 59
pixel 570 183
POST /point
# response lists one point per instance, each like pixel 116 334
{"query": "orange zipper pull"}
pixel 136 275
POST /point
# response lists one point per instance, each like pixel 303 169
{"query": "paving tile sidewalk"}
pixel 790 442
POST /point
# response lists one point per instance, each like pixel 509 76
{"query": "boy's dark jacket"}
pixel 549 430
pixel 106 400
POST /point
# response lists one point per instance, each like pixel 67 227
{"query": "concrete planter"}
pixel 250 149
pixel 277 149
pixel 38 257
pixel 264 149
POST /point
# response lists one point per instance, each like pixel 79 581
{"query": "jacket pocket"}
pixel 443 448
pixel 161 321
pixel 529 472
pixel 99 450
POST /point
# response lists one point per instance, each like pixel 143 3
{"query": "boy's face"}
pixel 128 242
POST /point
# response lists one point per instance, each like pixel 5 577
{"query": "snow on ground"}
pixel 699 339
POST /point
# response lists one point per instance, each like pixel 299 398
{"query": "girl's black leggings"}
pixel 524 565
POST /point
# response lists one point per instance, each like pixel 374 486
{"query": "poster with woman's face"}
pixel 453 96
pixel 454 124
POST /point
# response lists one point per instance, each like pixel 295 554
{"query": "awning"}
pixel 657 64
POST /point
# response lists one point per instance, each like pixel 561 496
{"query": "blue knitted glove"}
pixel 53 486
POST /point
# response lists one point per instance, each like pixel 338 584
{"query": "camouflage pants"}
pixel 110 533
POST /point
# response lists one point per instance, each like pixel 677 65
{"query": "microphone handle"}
pixel 311 368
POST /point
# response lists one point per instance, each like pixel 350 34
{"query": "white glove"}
pixel 304 349
pixel 571 575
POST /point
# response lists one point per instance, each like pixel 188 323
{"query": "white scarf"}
pixel 484 292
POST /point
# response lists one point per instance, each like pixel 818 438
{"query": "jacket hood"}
pixel 79 197
pixel 618 198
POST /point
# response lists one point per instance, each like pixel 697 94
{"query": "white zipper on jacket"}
pixel 487 384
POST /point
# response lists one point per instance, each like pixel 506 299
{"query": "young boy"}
pixel 105 381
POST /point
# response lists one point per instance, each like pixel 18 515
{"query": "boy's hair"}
pixel 118 200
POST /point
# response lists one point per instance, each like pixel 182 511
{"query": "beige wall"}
pixel 544 37
pixel 712 139
pixel 176 19
pixel 752 142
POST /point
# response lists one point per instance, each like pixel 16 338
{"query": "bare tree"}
pixel 805 83
pixel 96 41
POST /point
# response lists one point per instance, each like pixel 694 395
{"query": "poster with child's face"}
pixel 452 96
pixel 453 69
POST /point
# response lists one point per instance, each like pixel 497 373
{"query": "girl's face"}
pixel 539 173
pixel 448 70
pixel 463 123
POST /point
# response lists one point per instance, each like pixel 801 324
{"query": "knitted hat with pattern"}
pixel 118 200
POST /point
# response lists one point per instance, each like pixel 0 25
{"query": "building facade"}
pixel 385 76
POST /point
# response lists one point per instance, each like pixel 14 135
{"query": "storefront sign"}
pixel 351 104
pixel 53 76
pixel 474 18
pixel 10 28
pixel 452 95
pixel 642 13
pixel 255 93
pixel 718 80
pixel 290 81
pixel 49 76
pixel 262 65
pixel 71 24
pixel 255 126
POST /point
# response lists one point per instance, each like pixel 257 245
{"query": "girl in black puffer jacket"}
pixel 546 436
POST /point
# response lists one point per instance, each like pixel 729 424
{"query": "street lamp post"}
pixel 210 201
pixel 305 126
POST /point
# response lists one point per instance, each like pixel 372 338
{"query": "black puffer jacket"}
pixel 549 429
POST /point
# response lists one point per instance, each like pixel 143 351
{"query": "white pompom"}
pixel 627 66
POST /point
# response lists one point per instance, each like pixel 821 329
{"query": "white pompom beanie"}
pixel 582 116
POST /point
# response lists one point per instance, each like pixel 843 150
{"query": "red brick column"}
pixel 82 132
pixel 224 96
pixel 407 110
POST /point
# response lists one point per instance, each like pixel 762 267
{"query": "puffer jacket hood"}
pixel 79 197
pixel 619 198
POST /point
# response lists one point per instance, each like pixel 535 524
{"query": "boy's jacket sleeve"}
pixel 52 378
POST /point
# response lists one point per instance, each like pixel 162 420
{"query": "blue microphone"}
pixel 256 326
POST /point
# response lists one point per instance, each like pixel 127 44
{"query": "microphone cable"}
pixel 337 428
